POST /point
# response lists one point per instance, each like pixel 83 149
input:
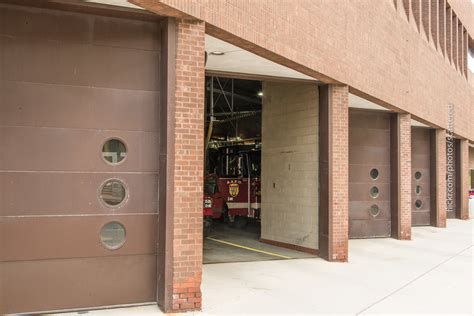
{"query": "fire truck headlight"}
pixel 207 203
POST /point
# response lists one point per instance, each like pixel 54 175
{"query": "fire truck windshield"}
pixel 235 165
pixel 238 164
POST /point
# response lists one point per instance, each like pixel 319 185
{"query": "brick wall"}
pixel 401 176
pixel 363 44
pixel 188 180
pixel 404 228
pixel 334 173
pixel 465 11
pixel 340 168
pixel 290 133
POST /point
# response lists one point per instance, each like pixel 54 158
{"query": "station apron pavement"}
pixel 432 273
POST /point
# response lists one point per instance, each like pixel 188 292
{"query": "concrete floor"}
pixel 226 244
pixel 430 274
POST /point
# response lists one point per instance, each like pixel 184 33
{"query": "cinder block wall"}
pixel 290 163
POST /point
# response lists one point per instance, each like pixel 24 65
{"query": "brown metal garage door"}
pixel 369 174
pixel 69 237
pixel 420 165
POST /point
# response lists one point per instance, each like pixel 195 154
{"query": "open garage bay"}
pixel 228 244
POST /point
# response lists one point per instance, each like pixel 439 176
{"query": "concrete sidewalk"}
pixel 433 273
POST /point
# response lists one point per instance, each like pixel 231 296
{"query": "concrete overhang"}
pixel 419 124
pixel 223 57
pixel 118 3
pixel 357 102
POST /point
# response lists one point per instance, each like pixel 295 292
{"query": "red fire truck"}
pixel 232 192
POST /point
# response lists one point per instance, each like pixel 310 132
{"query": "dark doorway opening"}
pixel 232 186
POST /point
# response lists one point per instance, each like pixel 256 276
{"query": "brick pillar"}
pixel 182 161
pixel 438 178
pixel 462 210
pixel 189 164
pixel 401 176
pixel 334 173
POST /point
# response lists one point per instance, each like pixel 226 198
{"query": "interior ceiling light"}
pixel 260 93
pixel 217 53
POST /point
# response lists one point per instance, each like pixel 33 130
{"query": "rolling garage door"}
pixel 369 174
pixel 420 165
pixel 79 159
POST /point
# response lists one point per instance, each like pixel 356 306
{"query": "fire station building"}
pixel 365 128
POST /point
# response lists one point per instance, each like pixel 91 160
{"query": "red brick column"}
pixel 188 165
pixel 334 173
pixel 463 174
pixel 438 173
pixel 401 176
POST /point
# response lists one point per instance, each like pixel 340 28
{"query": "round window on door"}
pixel 374 174
pixel 418 204
pixel 113 193
pixel 418 190
pixel 112 235
pixel 417 175
pixel 374 192
pixel 114 151
pixel 374 210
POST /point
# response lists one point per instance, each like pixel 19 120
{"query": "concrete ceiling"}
pixel 361 103
pixel 119 3
pixel 238 60
pixel 418 124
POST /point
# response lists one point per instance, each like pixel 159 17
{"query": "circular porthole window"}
pixel 114 151
pixel 374 174
pixel 374 210
pixel 374 192
pixel 417 175
pixel 113 192
pixel 418 204
pixel 418 190
pixel 112 235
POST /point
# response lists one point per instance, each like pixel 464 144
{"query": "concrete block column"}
pixel 179 257
pixel 438 178
pixel 401 176
pixel 462 209
pixel 334 172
